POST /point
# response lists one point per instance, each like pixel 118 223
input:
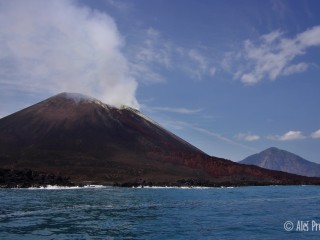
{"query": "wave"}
pixel 172 187
pixel 55 187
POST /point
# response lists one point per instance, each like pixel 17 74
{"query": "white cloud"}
pixel 271 56
pixel 145 73
pixel 120 6
pixel 219 136
pixel 247 137
pixel 213 71
pixel 200 63
pixel 315 134
pixel 147 55
pixel 181 125
pixel 154 54
pixel 176 110
pixel 194 63
pixel 269 38
pixel 56 45
pixel 309 38
pixel 150 51
pixel 291 135
pixel 295 68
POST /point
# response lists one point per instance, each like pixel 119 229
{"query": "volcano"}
pixel 281 160
pixel 74 135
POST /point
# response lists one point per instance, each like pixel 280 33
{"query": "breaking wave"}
pixel 55 187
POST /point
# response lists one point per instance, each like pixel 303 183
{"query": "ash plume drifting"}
pixel 53 46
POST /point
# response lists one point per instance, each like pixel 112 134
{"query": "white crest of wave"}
pixel 55 187
pixel 172 187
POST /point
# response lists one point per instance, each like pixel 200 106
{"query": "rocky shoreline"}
pixel 28 178
pixel 194 183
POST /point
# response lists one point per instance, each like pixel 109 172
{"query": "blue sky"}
pixel 231 77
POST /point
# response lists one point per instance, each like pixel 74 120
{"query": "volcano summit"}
pixel 91 142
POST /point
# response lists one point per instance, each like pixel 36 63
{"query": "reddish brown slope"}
pixel 81 137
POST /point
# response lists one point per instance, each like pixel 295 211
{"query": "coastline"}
pixel 37 180
pixel 166 186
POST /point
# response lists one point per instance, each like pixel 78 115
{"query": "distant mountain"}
pixel 77 136
pixel 281 160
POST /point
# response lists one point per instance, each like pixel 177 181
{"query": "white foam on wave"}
pixel 55 187
pixel 172 187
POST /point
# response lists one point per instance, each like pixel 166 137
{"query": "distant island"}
pixel 71 138
pixel 281 160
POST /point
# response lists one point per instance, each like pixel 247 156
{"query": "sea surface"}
pixel 274 212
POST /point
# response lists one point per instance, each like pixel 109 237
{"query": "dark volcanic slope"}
pixel 281 160
pixel 78 136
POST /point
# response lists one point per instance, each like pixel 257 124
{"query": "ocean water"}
pixel 161 213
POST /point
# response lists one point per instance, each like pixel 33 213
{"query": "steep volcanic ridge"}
pixel 91 142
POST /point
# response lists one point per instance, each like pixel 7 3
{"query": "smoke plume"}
pixel 59 45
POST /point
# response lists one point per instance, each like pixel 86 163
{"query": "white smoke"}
pixel 57 45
